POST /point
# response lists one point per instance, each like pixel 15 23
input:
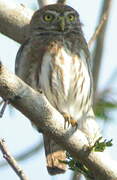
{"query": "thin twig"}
pixel 26 154
pixel 11 161
pixel 99 46
pixel 98 29
pixel 61 1
pixel 5 103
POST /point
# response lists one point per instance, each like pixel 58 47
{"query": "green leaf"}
pixel 100 145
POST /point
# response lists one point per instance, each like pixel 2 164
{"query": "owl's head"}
pixel 55 18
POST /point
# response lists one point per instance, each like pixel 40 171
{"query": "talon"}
pixel 73 122
pixel 67 119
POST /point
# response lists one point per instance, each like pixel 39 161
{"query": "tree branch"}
pixel 98 51
pixel 27 154
pixel 98 29
pixel 49 120
pixel 12 162
pixel 14 20
pixel 35 106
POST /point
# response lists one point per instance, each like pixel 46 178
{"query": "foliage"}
pixel 77 166
pixel 103 106
pixel 100 145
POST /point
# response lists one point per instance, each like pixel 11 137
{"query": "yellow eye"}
pixel 48 17
pixel 71 17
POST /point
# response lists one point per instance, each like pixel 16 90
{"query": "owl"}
pixel 55 58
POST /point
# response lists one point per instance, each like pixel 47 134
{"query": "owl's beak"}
pixel 62 23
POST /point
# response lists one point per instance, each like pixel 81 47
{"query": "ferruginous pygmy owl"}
pixel 55 59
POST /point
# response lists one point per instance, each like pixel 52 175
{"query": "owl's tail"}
pixel 54 154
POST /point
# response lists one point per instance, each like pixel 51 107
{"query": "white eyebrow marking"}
pixel 58 13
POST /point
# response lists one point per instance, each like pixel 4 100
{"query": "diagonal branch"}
pixel 51 122
pixel 11 161
pixel 98 28
pixel 14 20
pixel 27 154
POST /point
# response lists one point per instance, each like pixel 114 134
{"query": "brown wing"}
pixel 27 67
pixel 19 56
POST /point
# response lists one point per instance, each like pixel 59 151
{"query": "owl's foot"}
pixel 69 120
pixel 74 122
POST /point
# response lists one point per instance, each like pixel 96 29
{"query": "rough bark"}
pixel 35 106
pixel 14 20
